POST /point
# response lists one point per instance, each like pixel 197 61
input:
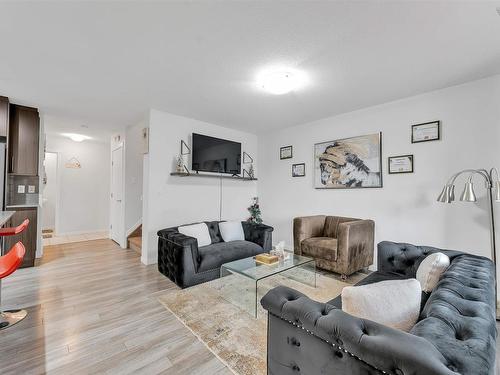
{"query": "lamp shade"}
pixel 447 195
pixel 496 186
pixel 468 194
pixel 442 196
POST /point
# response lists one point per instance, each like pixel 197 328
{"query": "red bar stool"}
pixel 8 264
pixel 14 230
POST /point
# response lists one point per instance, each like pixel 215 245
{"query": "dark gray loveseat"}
pixel 180 259
pixel 455 334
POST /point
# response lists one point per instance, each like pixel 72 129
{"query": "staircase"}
pixel 134 241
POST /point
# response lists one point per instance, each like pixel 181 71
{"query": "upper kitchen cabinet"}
pixel 4 116
pixel 24 133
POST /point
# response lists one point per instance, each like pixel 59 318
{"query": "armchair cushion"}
pixel 320 247
pixel 331 228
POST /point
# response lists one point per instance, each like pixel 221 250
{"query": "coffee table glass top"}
pixel 250 268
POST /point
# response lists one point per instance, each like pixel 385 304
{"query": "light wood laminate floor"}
pixel 92 310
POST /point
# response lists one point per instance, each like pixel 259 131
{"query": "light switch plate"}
pixel 31 189
pixel 21 189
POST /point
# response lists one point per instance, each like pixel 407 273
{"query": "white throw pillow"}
pixel 231 231
pixel 431 269
pixel 394 303
pixel 198 231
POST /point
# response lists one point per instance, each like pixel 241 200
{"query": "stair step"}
pixel 135 243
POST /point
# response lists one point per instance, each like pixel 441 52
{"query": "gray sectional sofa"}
pixel 186 264
pixel 455 334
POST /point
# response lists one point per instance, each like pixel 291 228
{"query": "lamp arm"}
pixel 482 172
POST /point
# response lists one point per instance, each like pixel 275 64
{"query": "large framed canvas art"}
pixel 349 163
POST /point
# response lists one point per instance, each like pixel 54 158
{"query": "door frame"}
pixel 121 220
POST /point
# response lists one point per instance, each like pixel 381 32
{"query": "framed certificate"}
pixel 401 164
pixel 286 152
pixel 428 131
pixel 298 170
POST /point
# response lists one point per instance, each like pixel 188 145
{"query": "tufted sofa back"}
pixel 404 258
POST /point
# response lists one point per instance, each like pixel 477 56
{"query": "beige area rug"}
pixel 227 328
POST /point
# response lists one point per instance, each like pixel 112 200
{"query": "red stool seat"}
pixel 12 260
pixel 14 230
pixel 8 264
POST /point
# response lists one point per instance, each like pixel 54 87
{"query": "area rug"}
pixel 227 328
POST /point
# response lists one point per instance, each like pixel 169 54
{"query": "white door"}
pixel 49 195
pixel 117 229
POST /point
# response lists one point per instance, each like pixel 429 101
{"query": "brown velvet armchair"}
pixel 340 244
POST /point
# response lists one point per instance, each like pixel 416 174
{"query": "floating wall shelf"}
pixel 229 177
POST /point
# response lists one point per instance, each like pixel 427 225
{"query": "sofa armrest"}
pixel 355 245
pixel 181 249
pixel 260 234
pixel 306 227
pixel 382 347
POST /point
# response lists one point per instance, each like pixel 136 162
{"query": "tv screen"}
pixel 215 155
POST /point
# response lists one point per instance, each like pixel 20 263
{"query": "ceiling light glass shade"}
pixel 468 194
pixel 497 191
pixel 76 137
pixel 279 81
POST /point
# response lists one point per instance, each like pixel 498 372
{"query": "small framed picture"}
pixel 298 170
pixel 286 152
pixel 428 131
pixel 401 164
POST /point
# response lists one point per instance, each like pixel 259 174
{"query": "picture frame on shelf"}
pixel 286 152
pixel 426 132
pixel 400 164
pixel 298 170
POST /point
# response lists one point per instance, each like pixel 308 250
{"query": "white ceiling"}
pixel 108 62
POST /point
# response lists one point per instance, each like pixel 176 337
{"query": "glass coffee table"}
pixel 250 275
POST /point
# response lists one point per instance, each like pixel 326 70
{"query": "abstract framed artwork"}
pixel 400 164
pixel 349 163
pixel 286 152
pixel 298 170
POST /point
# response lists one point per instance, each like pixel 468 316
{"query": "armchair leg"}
pixel 11 317
pixel 343 277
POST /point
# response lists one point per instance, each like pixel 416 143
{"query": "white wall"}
pixel 405 209
pixel 83 193
pixel 49 192
pixel 134 159
pixel 170 200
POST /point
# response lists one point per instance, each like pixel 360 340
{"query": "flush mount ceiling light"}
pixel 279 81
pixel 76 137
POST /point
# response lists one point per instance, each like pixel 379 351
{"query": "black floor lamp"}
pixel 493 188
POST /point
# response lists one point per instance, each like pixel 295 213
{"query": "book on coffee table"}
pixel 266 258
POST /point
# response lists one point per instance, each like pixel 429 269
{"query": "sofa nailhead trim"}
pixel 332 344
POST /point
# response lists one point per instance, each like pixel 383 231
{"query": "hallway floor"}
pixel 92 309
pixel 59 240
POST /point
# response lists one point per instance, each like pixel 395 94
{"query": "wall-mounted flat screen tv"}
pixel 215 155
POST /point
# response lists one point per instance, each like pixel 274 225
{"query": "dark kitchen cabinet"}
pixel 24 134
pixel 4 116
pixel 28 237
